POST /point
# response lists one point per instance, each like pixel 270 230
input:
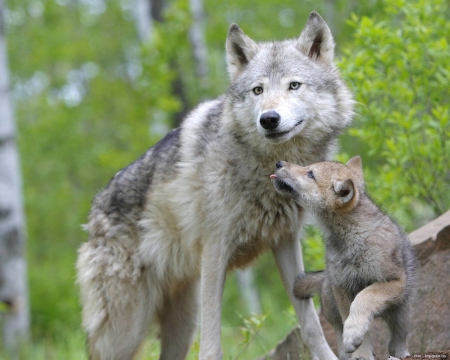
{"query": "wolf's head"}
pixel 323 186
pixel 287 89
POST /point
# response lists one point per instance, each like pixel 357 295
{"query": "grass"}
pixel 68 346
pixel 250 340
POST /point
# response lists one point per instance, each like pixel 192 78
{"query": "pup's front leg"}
pixel 213 271
pixel 355 330
pixel 370 302
pixel 365 350
pixel 363 346
pixel 288 256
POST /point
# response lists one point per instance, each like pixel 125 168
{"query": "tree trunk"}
pixel 157 7
pixel 13 270
pixel 146 12
pixel 198 42
pixel 142 11
pixel 330 15
pixel 248 290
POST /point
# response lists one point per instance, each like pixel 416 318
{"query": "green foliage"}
pixel 250 332
pixel 80 119
pixel 70 346
pixel 399 71
pixel 313 249
pixel 161 57
pixel 90 98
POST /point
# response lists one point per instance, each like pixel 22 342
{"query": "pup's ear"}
pixel 355 164
pixel 346 192
pixel 240 50
pixel 316 40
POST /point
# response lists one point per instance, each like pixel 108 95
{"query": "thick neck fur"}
pixel 340 228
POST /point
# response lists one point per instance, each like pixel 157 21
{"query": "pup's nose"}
pixel 279 164
pixel 269 120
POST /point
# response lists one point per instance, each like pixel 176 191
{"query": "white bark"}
pixel 198 42
pixel 248 290
pixel 13 270
pixel 144 23
pixel 330 15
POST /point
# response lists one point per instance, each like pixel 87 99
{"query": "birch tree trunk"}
pixel 248 290
pixel 13 269
pixel 142 11
pixel 198 42
pixel 330 15
pixel 146 12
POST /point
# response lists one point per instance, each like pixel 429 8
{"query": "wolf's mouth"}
pixel 283 186
pixel 276 135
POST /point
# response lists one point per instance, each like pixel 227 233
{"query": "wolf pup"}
pixel 166 229
pixel 370 262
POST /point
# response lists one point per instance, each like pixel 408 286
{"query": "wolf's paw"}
pixel 353 336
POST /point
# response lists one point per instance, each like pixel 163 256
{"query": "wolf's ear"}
pixel 345 191
pixel 316 40
pixel 240 50
pixel 355 164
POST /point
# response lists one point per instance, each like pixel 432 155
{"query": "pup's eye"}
pixel 295 85
pixel 258 90
pixel 310 174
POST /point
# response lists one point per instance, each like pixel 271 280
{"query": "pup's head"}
pixel 321 186
pixel 283 88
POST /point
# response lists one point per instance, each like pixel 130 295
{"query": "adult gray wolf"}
pixel 198 203
pixel 370 261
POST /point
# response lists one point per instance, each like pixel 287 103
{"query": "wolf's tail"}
pixel 309 284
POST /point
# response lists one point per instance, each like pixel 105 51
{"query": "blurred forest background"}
pixel 96 82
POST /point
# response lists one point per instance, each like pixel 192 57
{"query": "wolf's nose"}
pixel 279 165
pixel 269 120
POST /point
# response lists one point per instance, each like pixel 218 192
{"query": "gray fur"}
pixel 200 202
pixel 367 250
pixel 309 284
pixel 370 263
pixel 359 255
pixel 124 197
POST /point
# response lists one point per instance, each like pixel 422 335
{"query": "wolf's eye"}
pixel 295 85
pixel 310 174
pixel 258 90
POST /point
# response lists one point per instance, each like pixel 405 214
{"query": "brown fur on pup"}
pixel 370 261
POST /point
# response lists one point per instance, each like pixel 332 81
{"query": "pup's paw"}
pixel 354 333
pixel 364 352
pixel 352 344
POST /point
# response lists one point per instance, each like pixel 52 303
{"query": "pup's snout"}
pixel 278 166
pixel 270 120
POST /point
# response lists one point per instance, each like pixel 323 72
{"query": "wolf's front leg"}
pixel 288 256
pixel 214 264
